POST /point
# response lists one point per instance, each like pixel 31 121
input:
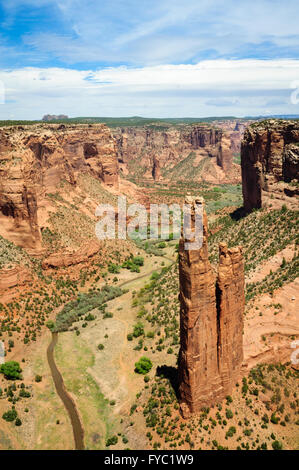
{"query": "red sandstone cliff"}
pixel 270 163
pixel 58 260
pixel 16 276
pixel 211 326
pixel 35 159
pixel 142 150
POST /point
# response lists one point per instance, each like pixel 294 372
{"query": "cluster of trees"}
pixel 133 263
pixel 73 311
pixel 11 370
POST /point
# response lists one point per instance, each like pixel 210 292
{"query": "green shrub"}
pixel 51 325
pixel 143 366
pixel 274 419
pixel 155 276
pixel 162 245
pixel 231 432
pixel 138 330
pixel 277 445
pixel 113 268
pixel 24 393
pixel 150 334
pixel 11 370
pixel 138 260
pixel 10 415
pixel 112 441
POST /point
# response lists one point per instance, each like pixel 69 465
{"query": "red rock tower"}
pixel 210 326
pixel 230 300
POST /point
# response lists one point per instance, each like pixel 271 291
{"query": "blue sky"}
pixel 125 57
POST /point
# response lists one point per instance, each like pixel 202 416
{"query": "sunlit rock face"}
pixel 211 324
pixel 270 164
pixel 35 159
pixel 153 152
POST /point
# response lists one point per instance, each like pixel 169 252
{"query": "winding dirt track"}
pixel 65 397
pixel 61 390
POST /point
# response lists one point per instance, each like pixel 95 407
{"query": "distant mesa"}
pixel 54 117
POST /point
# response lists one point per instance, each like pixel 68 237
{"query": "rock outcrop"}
pixel 270 163
pixel 35 159
pixel 16 276
pixel 143 150
pixel 211 323
pixel 58 260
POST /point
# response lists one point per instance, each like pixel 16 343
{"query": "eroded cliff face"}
pixel 270 164
pixel 35 159
pixel 211 323
pixel 142 150
pixel 235 131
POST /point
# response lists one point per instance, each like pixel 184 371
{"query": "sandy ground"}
pixel 272 322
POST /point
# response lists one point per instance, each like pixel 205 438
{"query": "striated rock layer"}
pixel 152 151
pixel 270 163
pixel 15 276
pixel 58 260
pixel 211 325
pixel 35 159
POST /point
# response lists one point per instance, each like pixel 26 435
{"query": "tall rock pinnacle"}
pixel 230 300
pixel 211 326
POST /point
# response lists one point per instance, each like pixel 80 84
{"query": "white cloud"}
pixel 243 74
pixel 216 87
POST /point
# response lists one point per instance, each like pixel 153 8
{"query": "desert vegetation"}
pixel 262 413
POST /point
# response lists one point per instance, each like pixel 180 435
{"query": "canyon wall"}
pixel 270 164
pixel 211 322
pixel 234 129
pixel 35 159
pixel 142 150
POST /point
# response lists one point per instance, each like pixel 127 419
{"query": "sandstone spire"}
pixel 230 299
pixel 211 327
